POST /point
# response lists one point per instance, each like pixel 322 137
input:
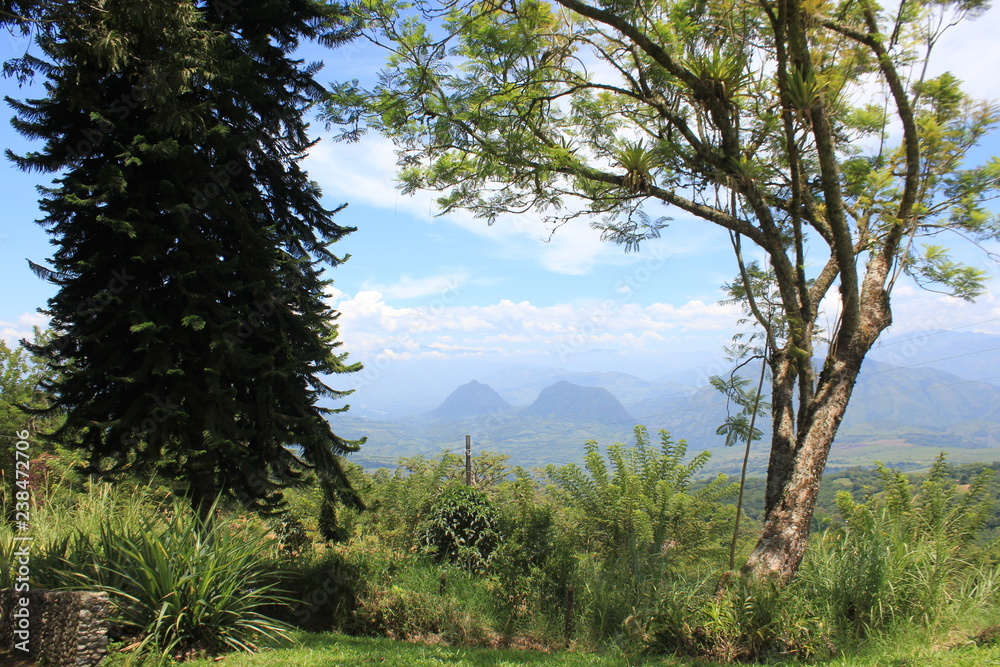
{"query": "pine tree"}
pixel 191 327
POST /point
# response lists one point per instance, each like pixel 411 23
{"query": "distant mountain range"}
pixel 902 413
pixel 560 401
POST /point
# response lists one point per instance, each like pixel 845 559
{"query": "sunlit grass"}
pixel 914 649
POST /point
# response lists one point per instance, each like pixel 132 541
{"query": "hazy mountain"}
pixel 472 399
pixel 902 412
pixel 521 384
pixel 973 356
pixel 567 401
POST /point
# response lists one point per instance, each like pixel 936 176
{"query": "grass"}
pixel 329 649
pixel 909 649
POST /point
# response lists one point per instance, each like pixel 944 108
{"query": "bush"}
pixel 896 563
pixel 462 528
pixel 638 523
pixel 747 621
pixel 899 556
pixel 325 588
pixel 184 582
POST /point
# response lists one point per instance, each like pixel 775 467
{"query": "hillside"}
pixel 472 399
pixel 565 401
pixel 902 415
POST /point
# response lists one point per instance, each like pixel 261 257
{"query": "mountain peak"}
pixel 567 401
pixel 472 399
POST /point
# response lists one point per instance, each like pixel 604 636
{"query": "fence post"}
pixel 468 460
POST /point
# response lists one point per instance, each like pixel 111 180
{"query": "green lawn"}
pixel 331 650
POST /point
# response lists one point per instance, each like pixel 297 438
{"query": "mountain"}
pixel 917 395
pixel 973 356
pixel 565 401
pixel 472 399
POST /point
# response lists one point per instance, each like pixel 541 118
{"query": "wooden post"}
pixel 468 460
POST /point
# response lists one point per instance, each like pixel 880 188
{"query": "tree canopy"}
pixel 190 327
pixel 809 129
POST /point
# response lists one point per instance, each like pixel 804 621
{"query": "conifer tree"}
pixel 191 329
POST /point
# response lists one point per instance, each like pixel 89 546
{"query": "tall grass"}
pixel 895 563
pixel 179 581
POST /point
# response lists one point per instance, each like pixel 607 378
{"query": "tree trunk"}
pixel 794 479
pixel 800 446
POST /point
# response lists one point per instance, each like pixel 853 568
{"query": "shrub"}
pixel 899 556
pixel 747 621
pixel 324 588
pixel 186 583
pixel 417 603
pixel 462 528
pixel 638 524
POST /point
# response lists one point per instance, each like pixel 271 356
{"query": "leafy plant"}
pixel 639 524
pixel 186 582
pixel 401 500
pixel 638 163
pixel 462 528
pixel 644 505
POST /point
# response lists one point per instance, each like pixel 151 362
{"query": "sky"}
pixel 423 287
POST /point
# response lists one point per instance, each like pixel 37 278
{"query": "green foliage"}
pixel 462 528
pixel 900 553
pixel 190 329
pixel 181 581
pixel 638 523
pixel 418 603
pixel 748 621
pixel 21 379
pixel 736 428
pixel 642 505
pixel 186 582
pixel 638 163
pixel 400 500
pixel 323 588
pixel 811 133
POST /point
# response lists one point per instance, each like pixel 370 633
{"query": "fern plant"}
pixel 641 502
pixel 641 524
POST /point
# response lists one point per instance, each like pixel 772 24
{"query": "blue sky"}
pixel 424 287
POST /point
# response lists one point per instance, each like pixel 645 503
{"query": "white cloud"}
pixel 916 310
pixel 370 327
pixel 12 332
pixel 409 288
pixel 365 173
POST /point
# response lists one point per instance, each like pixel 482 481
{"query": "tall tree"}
pixel 191 330
pixel 806 128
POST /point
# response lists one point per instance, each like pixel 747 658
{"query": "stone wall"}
pixel 64 628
